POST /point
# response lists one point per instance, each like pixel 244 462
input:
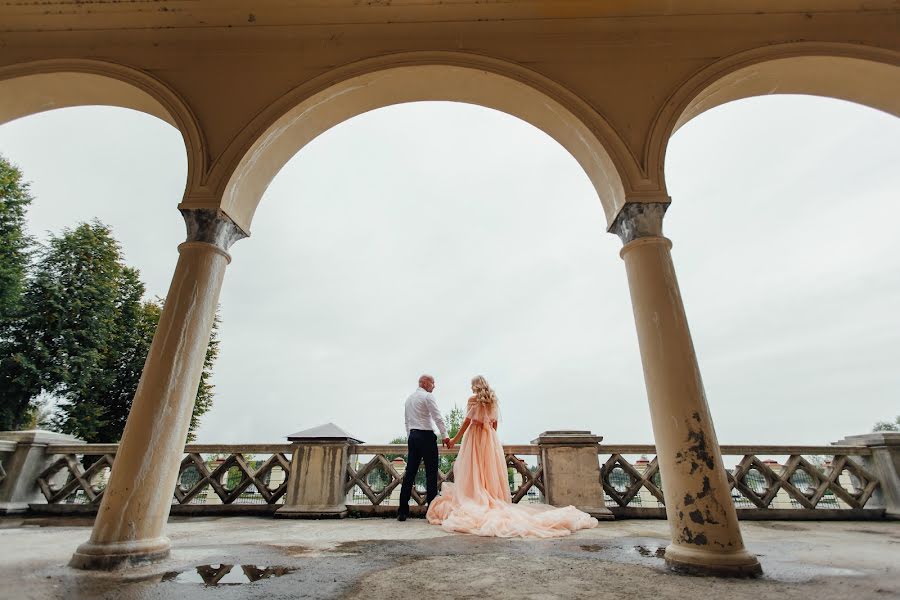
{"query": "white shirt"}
pixel 421 410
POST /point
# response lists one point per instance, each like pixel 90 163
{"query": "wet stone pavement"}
pixel 248 557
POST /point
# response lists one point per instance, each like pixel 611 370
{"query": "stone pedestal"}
pixel 318 472
pixel 28 459
pixel 572 471
pixel 884 463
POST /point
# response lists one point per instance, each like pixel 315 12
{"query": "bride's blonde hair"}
pixel 483 391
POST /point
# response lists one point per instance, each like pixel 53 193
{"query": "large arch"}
pixel 35 87
pixel 256 156
pixel 862 74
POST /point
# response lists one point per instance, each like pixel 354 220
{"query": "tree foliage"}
pixel 453 420
pixel 204 399
pixel 887 425
pixel 83 337
pixel 14 242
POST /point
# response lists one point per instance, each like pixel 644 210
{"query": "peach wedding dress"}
pixel 479 501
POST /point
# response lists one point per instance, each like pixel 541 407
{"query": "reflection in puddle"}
pixel 210 575
pixel 657 552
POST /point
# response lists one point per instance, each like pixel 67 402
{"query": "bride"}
pixel 479 500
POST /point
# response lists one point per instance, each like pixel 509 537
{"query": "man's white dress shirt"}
pixel 421 410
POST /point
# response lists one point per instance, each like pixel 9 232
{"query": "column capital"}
pixel 639 219
pixel 211 226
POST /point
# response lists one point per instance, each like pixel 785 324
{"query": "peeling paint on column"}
pixel 705 532
pixel 690 537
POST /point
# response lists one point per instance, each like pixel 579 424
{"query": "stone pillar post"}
pixel 706 538
pixel 131 520
pixel 572 471
pixel 27 458
pixel 884 463
pixel 318 473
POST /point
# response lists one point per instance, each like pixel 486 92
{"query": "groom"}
pixel 421 410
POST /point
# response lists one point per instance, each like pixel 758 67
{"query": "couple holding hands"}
pixel 478 501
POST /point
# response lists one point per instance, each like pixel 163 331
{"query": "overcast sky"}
pixel 457 240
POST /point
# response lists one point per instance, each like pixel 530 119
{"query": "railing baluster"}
pixel 840 488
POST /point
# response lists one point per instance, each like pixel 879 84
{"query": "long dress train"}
pixel 479 501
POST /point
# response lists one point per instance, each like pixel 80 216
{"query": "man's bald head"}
pixel 426 382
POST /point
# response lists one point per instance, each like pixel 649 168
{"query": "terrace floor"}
pixel 381 558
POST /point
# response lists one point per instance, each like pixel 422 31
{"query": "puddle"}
pixel 658 552
pixel 592 548
pixel 213 575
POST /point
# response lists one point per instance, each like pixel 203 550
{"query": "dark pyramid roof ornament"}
pixel 328 432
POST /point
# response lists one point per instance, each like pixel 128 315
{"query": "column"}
pixel 130 524
pixel 706 538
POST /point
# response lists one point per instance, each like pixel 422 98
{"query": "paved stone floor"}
pixel 380 558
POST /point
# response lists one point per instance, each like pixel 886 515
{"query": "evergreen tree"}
pixel 14 243
pixel 83 337
pixel 205 392
pixel 59 338
pixel 887 425
pixel 453 420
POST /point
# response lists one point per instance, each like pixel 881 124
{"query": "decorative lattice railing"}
pixel 244 478
pixel 374 475
pixel 767 482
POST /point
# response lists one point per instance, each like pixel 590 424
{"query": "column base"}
pixel 311 512
pixel 119 555
pixel 708 562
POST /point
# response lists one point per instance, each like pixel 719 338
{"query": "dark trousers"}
pixel 422 445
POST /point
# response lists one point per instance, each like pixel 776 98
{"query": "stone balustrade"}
pixel 767 482
pixel 41 473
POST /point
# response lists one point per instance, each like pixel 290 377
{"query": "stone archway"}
pixel 256 156
pixel 36 87
pixel 861 74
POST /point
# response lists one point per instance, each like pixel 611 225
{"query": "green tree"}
pixel 205 394
pixel 57 342
pixel 453 420
pixel 83 337
pixel 14 243
pixel 887 425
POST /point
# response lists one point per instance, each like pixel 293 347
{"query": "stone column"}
pixel 26 460
pixel 131 520
pixel 883 463
pixel 706 538
pixel 318 473
pixel 572 471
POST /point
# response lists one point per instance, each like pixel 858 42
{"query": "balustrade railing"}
pixel 246 478
pixel 375 472
pixel 767 482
